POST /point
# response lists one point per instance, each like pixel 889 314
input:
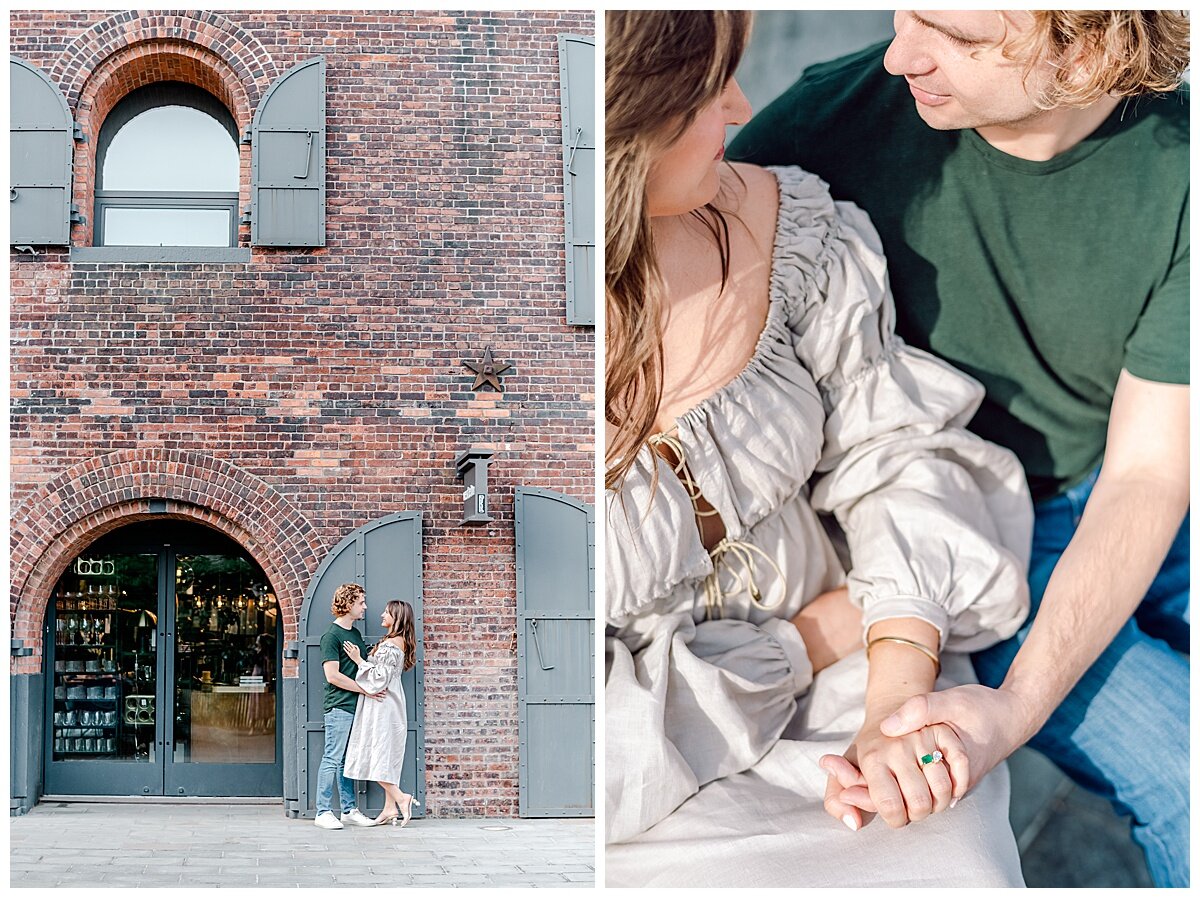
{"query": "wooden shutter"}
pixel 577 66
pixel 42 149
pixel 287 199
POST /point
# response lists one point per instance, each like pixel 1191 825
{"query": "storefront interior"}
pixel 162 668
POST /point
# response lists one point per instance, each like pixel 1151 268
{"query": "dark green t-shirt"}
pixel 1041 279
pixel 331 650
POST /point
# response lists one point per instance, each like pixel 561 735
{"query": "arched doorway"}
pixel 385 557
pixel 162 665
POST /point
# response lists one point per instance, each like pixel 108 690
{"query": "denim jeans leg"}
pixel 333 758
pixel 1134 699
pixel 1123 733
pixel 346 785
pixel 1167 611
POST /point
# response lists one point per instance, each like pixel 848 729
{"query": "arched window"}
pixel 167 170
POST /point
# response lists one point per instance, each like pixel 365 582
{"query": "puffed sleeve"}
pixel 688 703
pixel 937 521
pixel 374 674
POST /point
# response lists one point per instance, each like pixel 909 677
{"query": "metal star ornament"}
pixel 487 371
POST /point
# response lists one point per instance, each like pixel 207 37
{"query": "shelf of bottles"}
pixel 104 654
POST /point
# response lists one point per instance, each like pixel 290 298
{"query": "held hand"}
pixel 885 775
pixel 378 696
pixel 352 651
pixel 846 791
pixel 991 723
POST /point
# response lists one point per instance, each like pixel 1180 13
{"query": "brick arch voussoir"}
pixel 156 60
pixel 241 50
pixel 90 499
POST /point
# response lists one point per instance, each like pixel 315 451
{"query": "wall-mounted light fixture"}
pixel 471 467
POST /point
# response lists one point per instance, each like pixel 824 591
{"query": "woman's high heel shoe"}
pixel 412 799
pixel 392 818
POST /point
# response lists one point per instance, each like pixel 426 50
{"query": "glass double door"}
pixel 163 670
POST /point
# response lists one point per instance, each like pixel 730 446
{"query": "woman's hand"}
pixel 353 651
pixel 884 774
pixel 831 628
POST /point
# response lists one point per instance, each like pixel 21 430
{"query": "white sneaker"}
pixel 326 820
pixel 355 817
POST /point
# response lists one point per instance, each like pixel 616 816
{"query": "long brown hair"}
pixel 661 69
pixel 403 625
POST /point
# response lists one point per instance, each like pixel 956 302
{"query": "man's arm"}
pixel 335 677
pixel 1131 518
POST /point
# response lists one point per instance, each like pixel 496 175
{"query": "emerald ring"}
pixel 934 758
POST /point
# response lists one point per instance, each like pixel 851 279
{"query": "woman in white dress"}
pixel 786 481
pixel 379 737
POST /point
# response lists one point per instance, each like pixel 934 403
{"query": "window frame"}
pixel 155 199
pixel 165 93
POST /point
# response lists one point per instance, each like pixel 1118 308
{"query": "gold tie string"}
pixel 725 554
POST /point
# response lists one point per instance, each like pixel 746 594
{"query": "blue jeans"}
pixel 1123 731
pixel 333 760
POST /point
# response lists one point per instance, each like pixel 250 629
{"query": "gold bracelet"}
pixel 927 652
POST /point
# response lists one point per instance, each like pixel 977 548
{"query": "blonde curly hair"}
pixel 1100 52
pixel 344 598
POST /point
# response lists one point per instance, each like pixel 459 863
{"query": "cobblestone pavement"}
pixel 119 845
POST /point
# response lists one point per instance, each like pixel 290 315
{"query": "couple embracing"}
pixel 830 594
pixel 366 720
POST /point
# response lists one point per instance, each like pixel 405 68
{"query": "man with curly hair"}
pixel 1028 172
pixel 341 701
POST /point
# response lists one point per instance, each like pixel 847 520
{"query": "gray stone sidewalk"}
pixel 122 845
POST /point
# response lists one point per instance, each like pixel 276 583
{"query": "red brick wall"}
pixel 332 377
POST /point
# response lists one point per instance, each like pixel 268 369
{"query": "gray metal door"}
pixel 383 556
pixel 556 638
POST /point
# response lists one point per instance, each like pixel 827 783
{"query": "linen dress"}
pixel 380 732
pixel 837 456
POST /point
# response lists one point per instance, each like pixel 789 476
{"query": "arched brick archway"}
pixel 92 498
pixel 248 59
pixel 130 50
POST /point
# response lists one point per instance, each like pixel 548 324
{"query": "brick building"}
pixel 208 435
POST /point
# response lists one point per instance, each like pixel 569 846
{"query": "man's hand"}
pixel 335 677
pixel 992 724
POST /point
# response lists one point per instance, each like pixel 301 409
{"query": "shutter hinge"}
pixel 246 214
pixel 292 650
pixel 248 135
pixel 77 217
pixel 20 650
pixel 77 132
